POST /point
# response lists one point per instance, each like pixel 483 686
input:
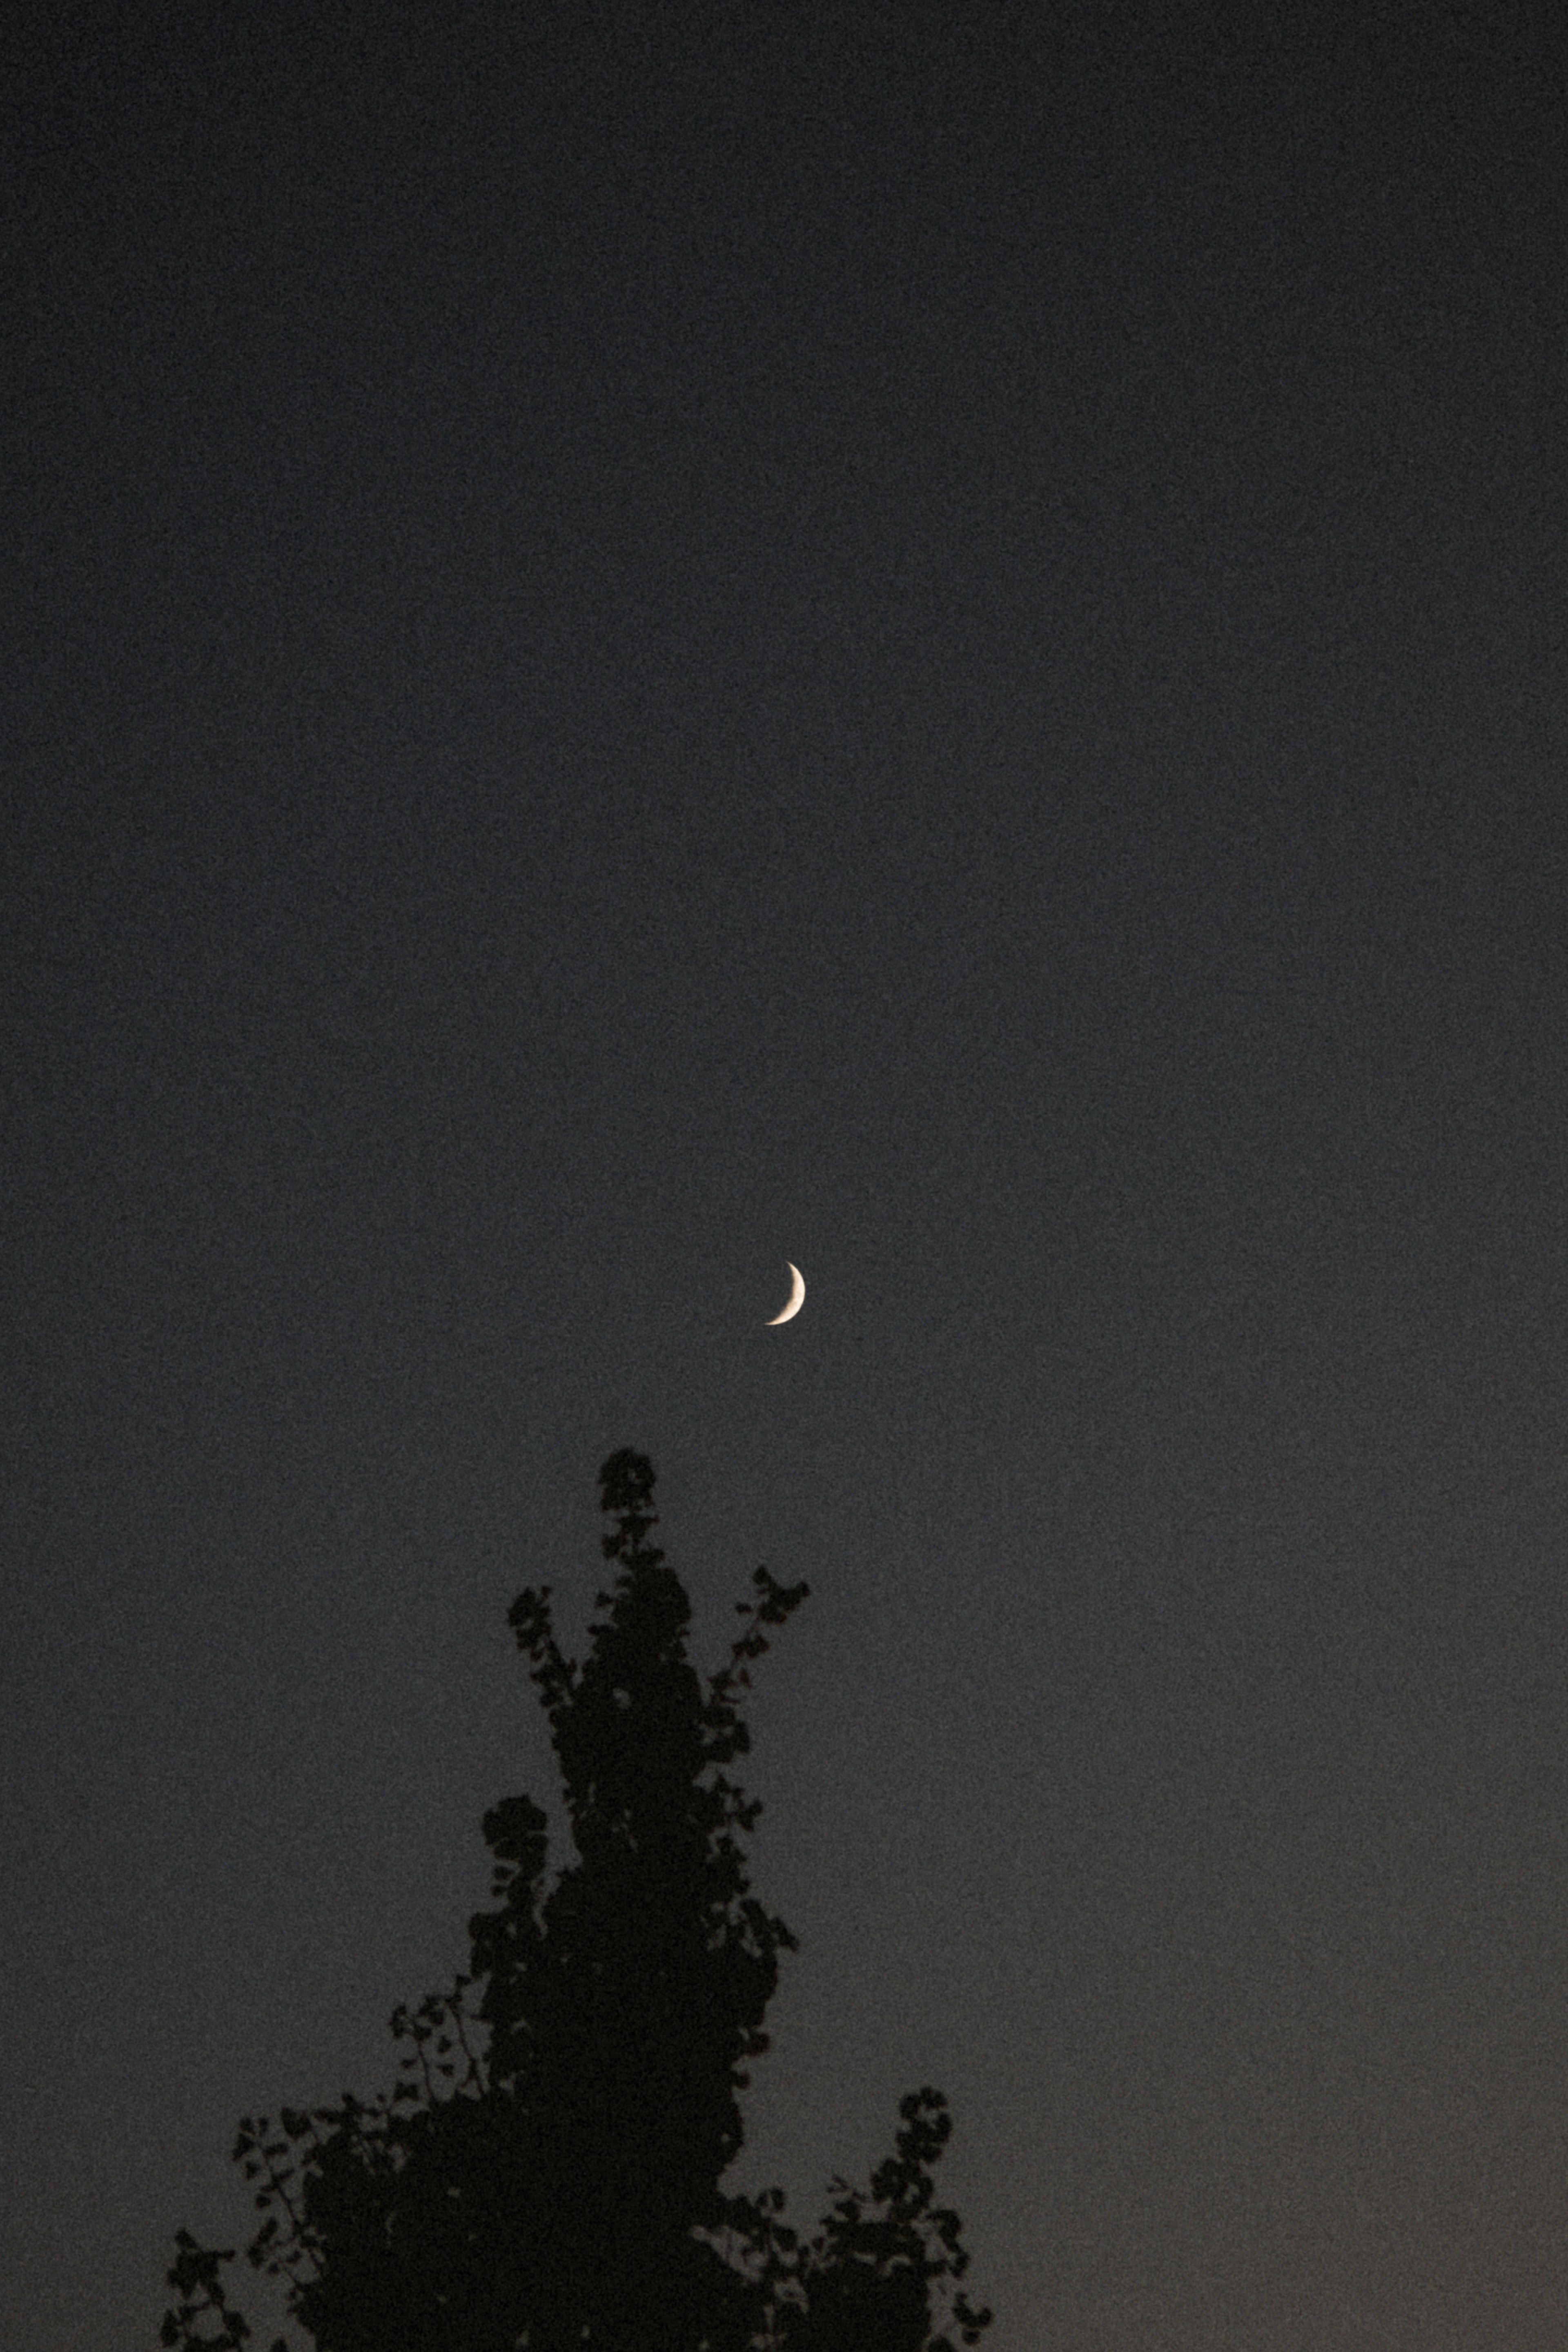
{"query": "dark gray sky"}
pixel 642 641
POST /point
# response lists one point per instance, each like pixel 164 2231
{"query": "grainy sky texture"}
pixel 642 641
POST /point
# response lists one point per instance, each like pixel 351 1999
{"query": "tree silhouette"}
pixel 566 2191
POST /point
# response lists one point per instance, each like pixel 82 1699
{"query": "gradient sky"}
pixel 646 640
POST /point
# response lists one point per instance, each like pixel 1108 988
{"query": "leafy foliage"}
pixel 564 2191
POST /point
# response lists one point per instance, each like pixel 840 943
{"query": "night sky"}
pixel 646 640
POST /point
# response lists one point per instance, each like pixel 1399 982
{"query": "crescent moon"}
pixel 797 1294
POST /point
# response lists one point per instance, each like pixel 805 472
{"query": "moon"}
pixel 797 1294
